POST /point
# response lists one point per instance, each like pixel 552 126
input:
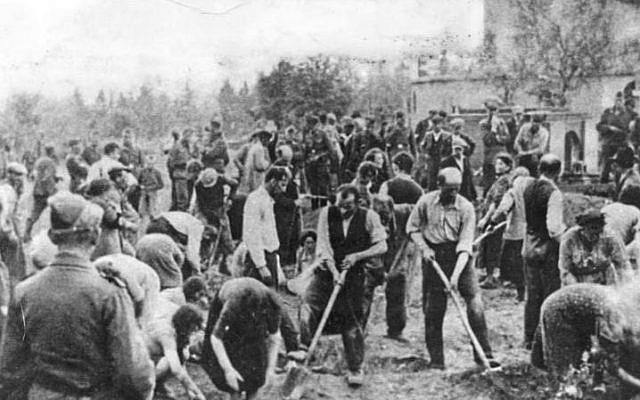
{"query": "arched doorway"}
pixel 573 153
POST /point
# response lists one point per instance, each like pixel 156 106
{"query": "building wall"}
pixel 453 93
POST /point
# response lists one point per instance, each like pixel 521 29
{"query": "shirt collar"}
pixel 68 258
pixel 544 178
pixel 403 175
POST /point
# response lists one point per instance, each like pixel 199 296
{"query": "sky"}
pixel 53 47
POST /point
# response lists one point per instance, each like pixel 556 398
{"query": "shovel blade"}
pixel 293 386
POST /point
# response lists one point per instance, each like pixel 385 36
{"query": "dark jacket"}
pixel 467 188
pixel 82 335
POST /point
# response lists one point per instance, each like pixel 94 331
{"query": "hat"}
pixel 208 177
pixel 74 142
pixel 457 123
pixel 117 167
pixel 492 102
pixel 624 157
pixel 517 109
pixel 72 213
pixel 437 118
pixel 505 158
pixel 347 121
pixel 459 142
pixel 591 217
pixel 331 116
pixel 286 152
pixel 214 121
pixel 16 168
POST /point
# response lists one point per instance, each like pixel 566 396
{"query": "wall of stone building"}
pixel 453 93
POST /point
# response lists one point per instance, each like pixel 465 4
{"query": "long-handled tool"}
pixel 455 296
pixel 293 386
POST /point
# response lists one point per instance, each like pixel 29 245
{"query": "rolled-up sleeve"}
pixel 555 221
pixel 467 229
pixel 323 245
pixel 418 217
pixel 505 206
pixel 374 226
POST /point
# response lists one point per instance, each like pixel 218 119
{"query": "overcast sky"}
pixel 53 46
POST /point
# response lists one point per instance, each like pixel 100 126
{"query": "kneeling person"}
pixel 348 237
pixel 168 343
pixel 241 337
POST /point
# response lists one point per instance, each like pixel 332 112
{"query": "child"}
pixel 150 181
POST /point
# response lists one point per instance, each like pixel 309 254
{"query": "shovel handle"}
pixel 455 296
pixel 325 316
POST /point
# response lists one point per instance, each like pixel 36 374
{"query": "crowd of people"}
pixel 120 293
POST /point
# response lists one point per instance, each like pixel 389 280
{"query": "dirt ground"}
pixel 396 370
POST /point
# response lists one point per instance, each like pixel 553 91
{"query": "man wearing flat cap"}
pixel 257 161
pixel 531 143
pixel 459 160
pixel 321 169
pixel 457 131
pixel 495 136
pixel 442 225
pixel 215 142
pixel 590 253
pixel 44 185
pixel 626 175
pixel 76 314
pixel 399 137
pixel 614 133
pixel 435 147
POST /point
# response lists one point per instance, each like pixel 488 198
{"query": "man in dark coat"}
pixel 461 162
pixel 614 133
pixel 435 146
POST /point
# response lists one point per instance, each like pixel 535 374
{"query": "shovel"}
pixel 293 386
pixel 455 296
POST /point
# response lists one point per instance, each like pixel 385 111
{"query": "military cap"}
pixel 72 213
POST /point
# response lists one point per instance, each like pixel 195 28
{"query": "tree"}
pixel 564 42
pixel 315 84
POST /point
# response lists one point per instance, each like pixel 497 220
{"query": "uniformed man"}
pixel 83 341
pixel 399 137
pixel 436 146
pixel 43 187
pixel 614 133
pixel 442 225
pixel 321 167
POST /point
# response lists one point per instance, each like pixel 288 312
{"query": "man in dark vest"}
pixel 543 212
pixel 349 237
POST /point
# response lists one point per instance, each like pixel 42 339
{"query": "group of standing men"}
pixel 389 197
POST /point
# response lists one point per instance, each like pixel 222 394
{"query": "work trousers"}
pixel 287 328
pixel 434 301
pixel 512 265
pixel 318 182
pixel 345 317
pixel 179 194
pixel 541 279
pixel 489 253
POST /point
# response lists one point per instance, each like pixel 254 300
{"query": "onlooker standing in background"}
pixel 150 181
pixel 494 136
pixel 531 143
pixel 614 133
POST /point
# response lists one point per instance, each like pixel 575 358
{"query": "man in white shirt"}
pixel 260 236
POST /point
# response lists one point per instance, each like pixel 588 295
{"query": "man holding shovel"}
pixel 348 237
pixel 442 225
